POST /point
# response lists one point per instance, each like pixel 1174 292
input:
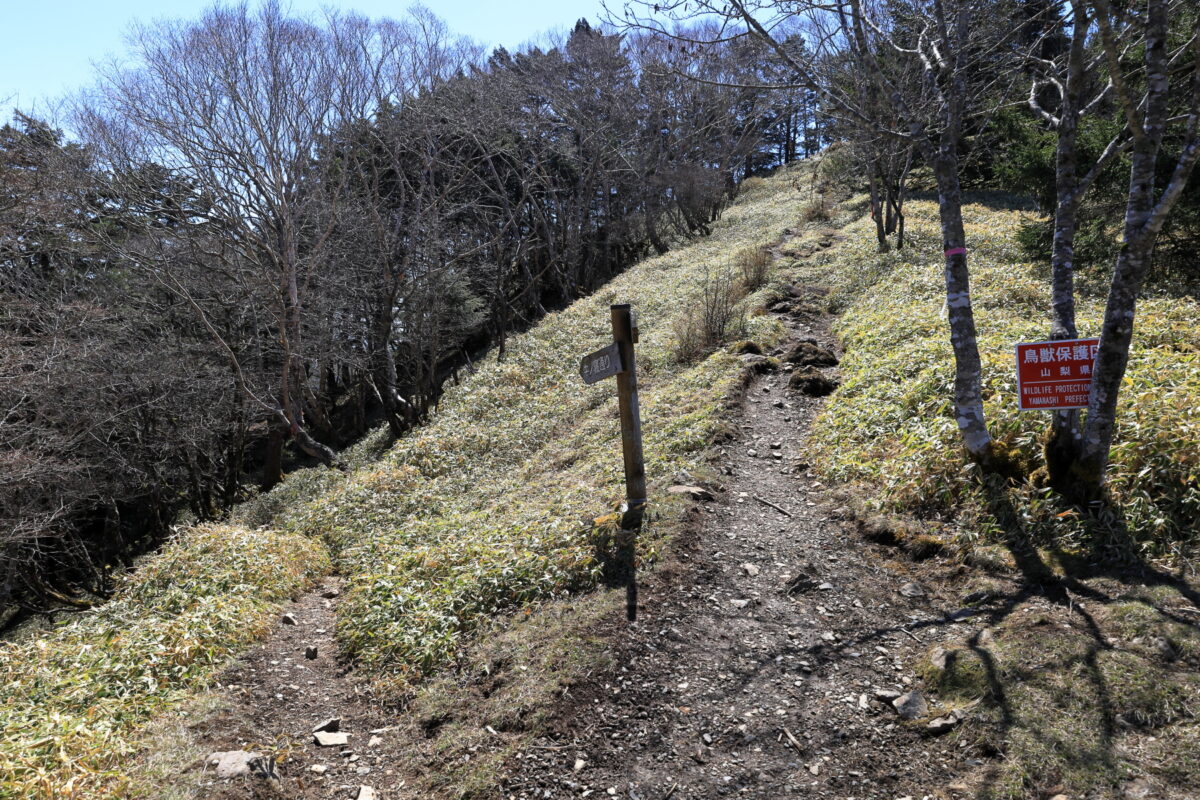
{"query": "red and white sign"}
pixel 1055 375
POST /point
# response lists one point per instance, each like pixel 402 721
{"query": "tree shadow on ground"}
pixel 1064 684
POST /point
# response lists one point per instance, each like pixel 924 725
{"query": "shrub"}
pixel 755 266
pixel 752 184
pixel 712 318
pixel 820 209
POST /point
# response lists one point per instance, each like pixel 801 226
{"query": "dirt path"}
pixel 754 670
pixel 755 673
pixel 279 691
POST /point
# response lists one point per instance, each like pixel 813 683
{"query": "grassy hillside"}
pixel 71 697
pixel 892 429
pixel 505 498
pixel 1088 672
pixel 503 505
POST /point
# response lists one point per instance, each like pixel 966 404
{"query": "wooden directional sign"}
pixel 619 359
pixel 604 363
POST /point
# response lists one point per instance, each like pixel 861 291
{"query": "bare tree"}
pixel 957 47
pixel 1070 82
pixel 238 104
pixel 1169 78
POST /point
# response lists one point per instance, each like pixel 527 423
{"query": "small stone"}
pixel 332 724
pixel 367 793
pixel 698 493
pixel 912 590
pixel 330 593
pixel 776 445
pixel 942 724
pixel 825 587
pixel 310 652
pixel 937 657
pixel 328 739
pixel 1164 647
pixel 752 453
pixel 800 584
pixel 233 763
pixel 288 619
pixel 374 741
pixel 1137 789
pixel 319 769
pixel 579 765
pixel 740 603
pixel 911 705
pixel 750 569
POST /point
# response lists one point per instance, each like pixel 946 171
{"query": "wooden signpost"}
pixel 618 359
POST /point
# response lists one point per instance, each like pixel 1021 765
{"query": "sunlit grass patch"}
pixel 1078 699
pixel 490 506
pixel 891 425
pixel 71 697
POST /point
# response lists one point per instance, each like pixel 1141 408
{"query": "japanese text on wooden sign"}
pixel 620 359
pixel 601 364
pixel 1055 375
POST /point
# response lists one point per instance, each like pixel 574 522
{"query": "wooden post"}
pixel 631 445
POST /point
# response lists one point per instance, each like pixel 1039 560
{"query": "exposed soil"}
pixel 752 671
pixel 276 695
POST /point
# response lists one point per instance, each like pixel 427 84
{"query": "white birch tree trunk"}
pixel 1146 211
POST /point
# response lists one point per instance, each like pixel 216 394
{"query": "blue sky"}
pixel 49 45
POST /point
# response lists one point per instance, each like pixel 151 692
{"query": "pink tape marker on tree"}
pixel 955 251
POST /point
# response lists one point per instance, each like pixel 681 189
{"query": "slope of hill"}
pixel 892 429
pixel 468 554
pixel 1084 653
pixel 488 507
